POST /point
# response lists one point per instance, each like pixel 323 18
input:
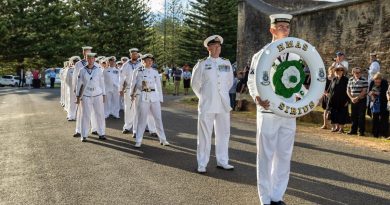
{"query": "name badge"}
pixel 224 68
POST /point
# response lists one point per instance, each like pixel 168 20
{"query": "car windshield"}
pixel 7 77
pixel 16 77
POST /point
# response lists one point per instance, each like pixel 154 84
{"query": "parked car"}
pixel 9 80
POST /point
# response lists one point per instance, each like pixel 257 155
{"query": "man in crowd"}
pixel 126 77
pixel 90 94
pixel 357 92
pixel 111 82
pixel 212 78
pixel 340 60
pixel 275 134
pixel 52 76
pixel 374 67
pixel 177 76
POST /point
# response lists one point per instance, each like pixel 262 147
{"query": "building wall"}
pixel 355 27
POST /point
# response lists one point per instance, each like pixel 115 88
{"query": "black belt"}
pixel 148 90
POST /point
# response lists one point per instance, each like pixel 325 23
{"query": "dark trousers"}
pixel 232 100
pixel 358 116
pixel 380 124
pixel 52 80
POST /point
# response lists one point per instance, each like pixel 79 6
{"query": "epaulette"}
pixel 203 59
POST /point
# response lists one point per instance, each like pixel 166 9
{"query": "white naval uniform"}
pixel 146 82
pixel 126 78
pixel 211 80
pixel 71 96
pixel 111 83
pixel 275 140
pixel 63 92
pixel 91 81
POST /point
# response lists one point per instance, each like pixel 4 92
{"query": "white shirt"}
pixel 111 79
pixel 126 74
pixel 91 81
pixel 211 80
pixel 146 81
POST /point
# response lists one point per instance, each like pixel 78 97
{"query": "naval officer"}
pixel 211 80
pixel 147 84
pixel 90 93
pixel 275 134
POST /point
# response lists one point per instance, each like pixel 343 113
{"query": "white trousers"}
pixel 221 124
pixel 62 98
pixel 130 111
pixel 71 103
pixel 88 106
pixel 143 110
pixel 151 124
pixel 275 141
pixel 111 106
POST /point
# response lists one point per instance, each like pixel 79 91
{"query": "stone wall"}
pixel 356 27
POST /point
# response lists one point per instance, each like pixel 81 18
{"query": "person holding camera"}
pixel 378 105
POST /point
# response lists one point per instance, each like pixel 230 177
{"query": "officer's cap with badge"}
pixel 91 55
pixel 148 55
pixel 276 18
pixel 213 39
pixel 131 50
pixel 86 48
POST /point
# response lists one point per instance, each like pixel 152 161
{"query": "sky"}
pixel 158 5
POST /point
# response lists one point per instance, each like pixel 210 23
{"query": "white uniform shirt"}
pixel 111 79
pixel 69 77
pixel 211 80
pixel 252 78
pixel 374 68
pixel 91 81
pixel 126 73
pixel 146 81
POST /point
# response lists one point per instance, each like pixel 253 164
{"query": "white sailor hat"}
pixel 124 58
pixel 111 58
pixel 373 54
pixel 275 18
pixel 119 62
pixel 133 50
pixel 91 55
pixel 86 48
pixel 213 39
pixel 148 55
pixel 74 58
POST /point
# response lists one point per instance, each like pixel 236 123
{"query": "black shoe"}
pixel 134 136
pixel 362 134
pixel 125 131
pixel 351 133
pixel 154 135
pixel 84 139
pixel 277 203
pixel 146 130
pixel 95 133
pixel 77 135
pixel 102 137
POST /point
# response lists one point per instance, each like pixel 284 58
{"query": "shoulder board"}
pixel 203 59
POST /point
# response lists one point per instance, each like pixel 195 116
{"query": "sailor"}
pixel 146 82
pixel 111 82
pixel 126 78
pixel 211 81
pixel 275 134
pixel 90 94
pixel 69 89
pixel 62 74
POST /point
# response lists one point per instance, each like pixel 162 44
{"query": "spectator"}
pixel 232 91
pixel 163 77
pixel 325 97
pixel 186 78
pixel 357 91
pixel 177 75
pixel 378 104
pixel 340 61
pixel 374 67
pixel 52 76
pixel 29 78
pixel 36 79
pixel 338 100
pixel 238 90
pixel 21 77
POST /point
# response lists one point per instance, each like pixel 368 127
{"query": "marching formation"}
pixel 95 88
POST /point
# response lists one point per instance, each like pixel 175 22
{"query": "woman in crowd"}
pixel 338 101
pixel 29 78
pixel 186 78
pixel 378 105
pixel 325 97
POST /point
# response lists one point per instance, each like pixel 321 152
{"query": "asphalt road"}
pixel 41 163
